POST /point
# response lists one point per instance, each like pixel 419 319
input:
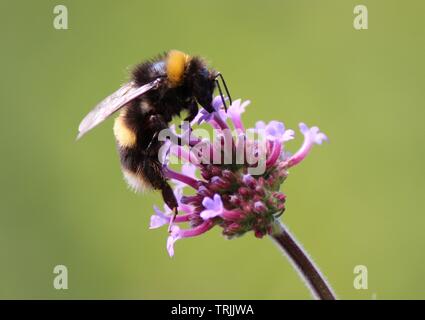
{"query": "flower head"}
pixel 230 194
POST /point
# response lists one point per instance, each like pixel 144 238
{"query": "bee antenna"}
pixel 221 94
pixel 225 87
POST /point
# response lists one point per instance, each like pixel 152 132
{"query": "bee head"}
pixel 201 83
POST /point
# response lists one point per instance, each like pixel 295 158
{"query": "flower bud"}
pixel 244 192
pixel 260 207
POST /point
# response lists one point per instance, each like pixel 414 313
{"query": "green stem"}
pixel 311 274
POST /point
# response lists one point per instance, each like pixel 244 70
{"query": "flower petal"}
pixel 288 135
pixel 235 111
pixel 159 218
pixel 311 136
pixel 172 238
pixel 260 125
pixel 213 207
pixel 209 214
pixel 274 131
pixel 157 221
pixel 189 170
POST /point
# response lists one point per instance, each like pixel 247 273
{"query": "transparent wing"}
pixel 113 103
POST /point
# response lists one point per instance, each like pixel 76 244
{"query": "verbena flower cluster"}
pixel 228 194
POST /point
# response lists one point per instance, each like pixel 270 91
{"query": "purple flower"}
pixel 205 116
pixel 161 218
pixel 172 238
pixel 311 136
pixel 228 194
pixel 275 131
pixel 213 207
pixel 235 111
pixel 176 233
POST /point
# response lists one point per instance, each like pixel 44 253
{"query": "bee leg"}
pixel 172 220
pixel 150 143
pixel 170 200
pixel 156 124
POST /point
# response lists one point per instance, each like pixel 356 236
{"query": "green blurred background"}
pixel 355 201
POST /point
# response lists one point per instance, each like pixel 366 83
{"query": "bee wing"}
pixel 113 103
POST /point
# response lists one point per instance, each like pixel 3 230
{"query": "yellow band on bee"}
pixel 124 135
pixel 176 63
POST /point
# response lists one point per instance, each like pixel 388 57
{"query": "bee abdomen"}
pixel 142 171
pixel 124 135
pixel 136 181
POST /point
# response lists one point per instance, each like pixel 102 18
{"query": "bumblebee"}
pixel 160 89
